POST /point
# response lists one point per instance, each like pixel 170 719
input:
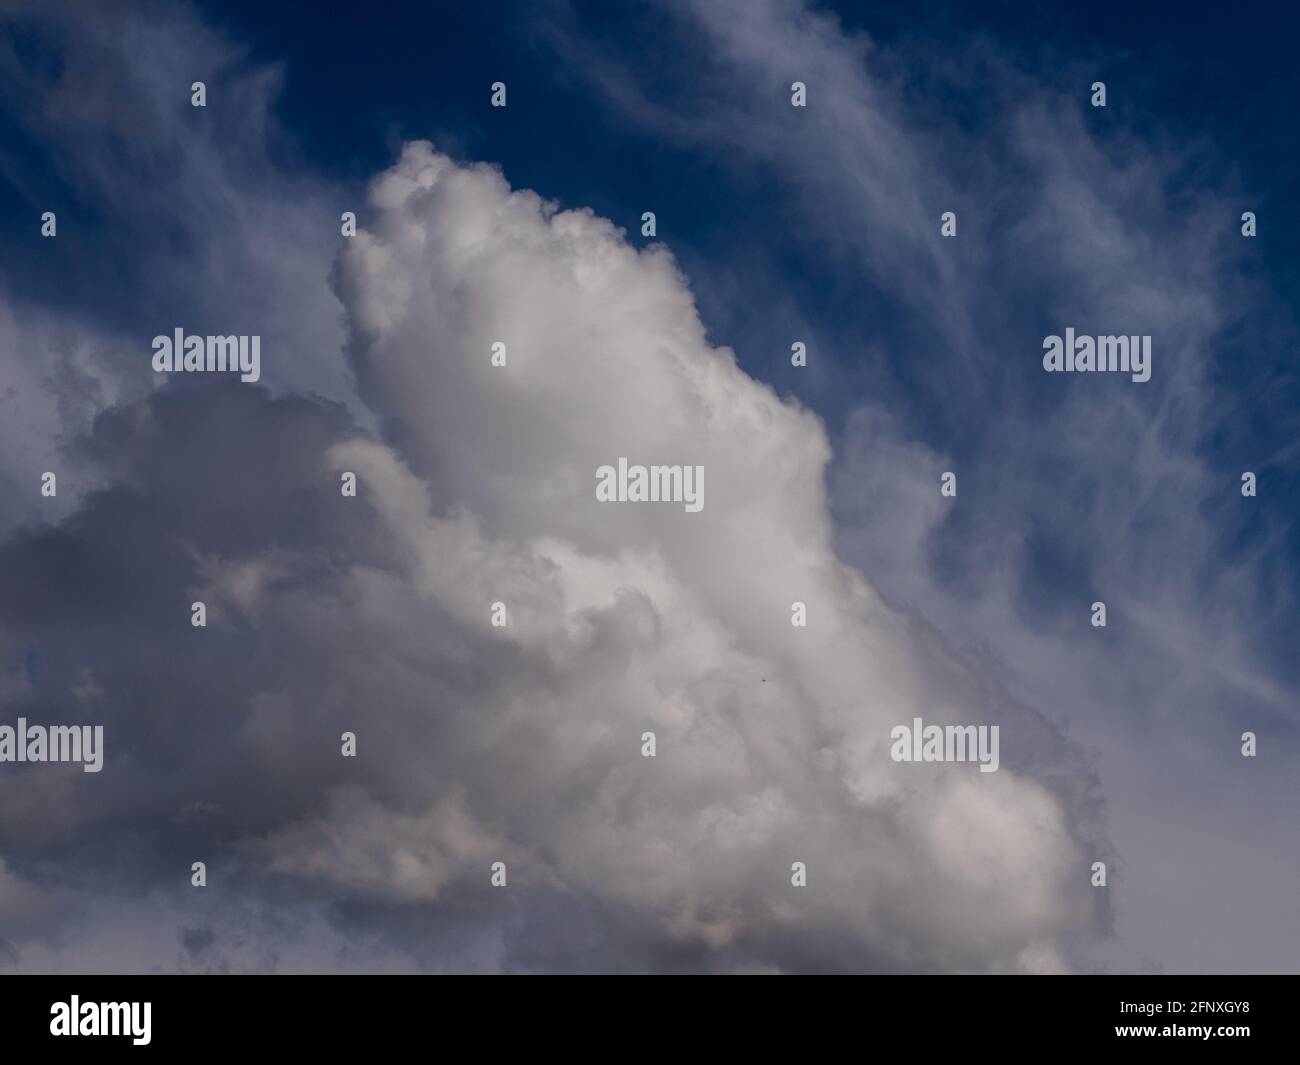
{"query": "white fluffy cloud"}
pixel 772 740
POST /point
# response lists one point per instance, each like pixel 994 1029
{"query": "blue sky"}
pixel 818 225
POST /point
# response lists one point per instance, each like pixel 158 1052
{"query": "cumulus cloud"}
pixel 522 744
pixel 612 361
